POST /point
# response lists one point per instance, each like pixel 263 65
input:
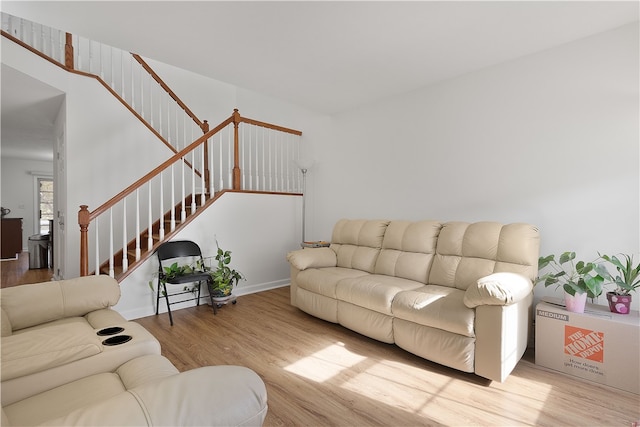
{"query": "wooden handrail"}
pixel 140 182
pixel 166 88
pixel 269 126
pixel 85 217
pixel 94 76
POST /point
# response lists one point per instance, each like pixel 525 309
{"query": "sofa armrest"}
pixel 209 396
pixel 498 289
pixel 312 258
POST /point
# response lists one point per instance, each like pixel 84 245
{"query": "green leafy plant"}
pixel 628 277
pixel 575 277
pixel 223 277
pixel 175 270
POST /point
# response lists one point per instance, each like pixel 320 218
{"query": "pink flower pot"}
pixel 620 304
pixel 575 303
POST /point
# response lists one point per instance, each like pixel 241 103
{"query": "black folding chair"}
pixel 170 252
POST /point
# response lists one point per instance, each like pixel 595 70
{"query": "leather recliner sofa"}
pixel 58 366
pixel 459 294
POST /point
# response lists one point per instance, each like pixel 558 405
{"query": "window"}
pixel 45 202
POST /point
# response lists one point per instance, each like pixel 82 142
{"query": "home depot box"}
pixel 596 345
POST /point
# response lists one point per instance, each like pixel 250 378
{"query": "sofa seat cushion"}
pixel 439 307
pixel 374 292
pixel 323 281
pixel 82 365
pixel 45 348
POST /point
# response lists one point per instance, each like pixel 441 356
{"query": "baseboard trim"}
pixel 204 298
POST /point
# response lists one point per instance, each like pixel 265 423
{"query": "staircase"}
pixel 154 236
pixel 240 154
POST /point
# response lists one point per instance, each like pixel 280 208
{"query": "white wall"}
pixel 550 139
pixel 258 229
pixel 19 192
pixel 107 149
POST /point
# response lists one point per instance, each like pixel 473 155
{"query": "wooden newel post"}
pixel 83 221
pixel 236 151
pixel 68 51
pixel 205 129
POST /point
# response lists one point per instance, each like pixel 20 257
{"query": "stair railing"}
pixel 152 208
pixel 127 76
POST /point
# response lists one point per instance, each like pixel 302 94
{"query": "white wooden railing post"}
pixel 125 256
pixel 138 252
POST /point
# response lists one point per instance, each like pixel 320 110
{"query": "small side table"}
pixel 317 244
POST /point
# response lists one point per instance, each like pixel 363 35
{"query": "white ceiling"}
pixel 330 56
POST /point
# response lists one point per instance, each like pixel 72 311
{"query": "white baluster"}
pixel 90 56
pixel 141 88
pixel 111 269
pixel 202 175
pixel 150 234
pixel 242 159
pixel 264 160
pixel 160 114
pixel 183 199
pixel 101 62
pixel 113 84
pixel 97 247
pixel 133 85
pixel 211 174
pixel 270 172
pixel 125 255
pixel 122 53
pixel 184 133
pixel 173 199
pixel 151 101
pixel 161 222
pixel 138 252
pixel 193 182
pixel 230 159
pixel 250 156
pixel 169 121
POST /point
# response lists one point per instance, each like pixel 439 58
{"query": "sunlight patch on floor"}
pixel 326 363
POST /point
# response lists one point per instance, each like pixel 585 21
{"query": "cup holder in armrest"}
pixel 110 331
pixel 118 339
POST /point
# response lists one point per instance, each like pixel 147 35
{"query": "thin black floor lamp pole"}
pixel 304 196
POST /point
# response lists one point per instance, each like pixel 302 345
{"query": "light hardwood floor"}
pixel 321 374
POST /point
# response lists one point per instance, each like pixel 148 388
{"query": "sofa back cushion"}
pixel 357 242
pixel 30 305
pixel 466 252
pixel 408 249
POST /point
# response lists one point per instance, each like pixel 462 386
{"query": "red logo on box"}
pixel 584 343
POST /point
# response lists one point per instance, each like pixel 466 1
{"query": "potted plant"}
pixel 223 277
pixel 626 280
pixel 579 280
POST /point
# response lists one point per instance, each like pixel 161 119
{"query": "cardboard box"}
pixel 596 345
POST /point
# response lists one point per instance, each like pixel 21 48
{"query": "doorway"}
pixel 44 205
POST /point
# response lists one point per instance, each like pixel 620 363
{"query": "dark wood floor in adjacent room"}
pixel 16 272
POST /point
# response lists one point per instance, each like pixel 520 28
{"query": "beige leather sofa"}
pixel 49 334
pixel 455 293
pixel 59 366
